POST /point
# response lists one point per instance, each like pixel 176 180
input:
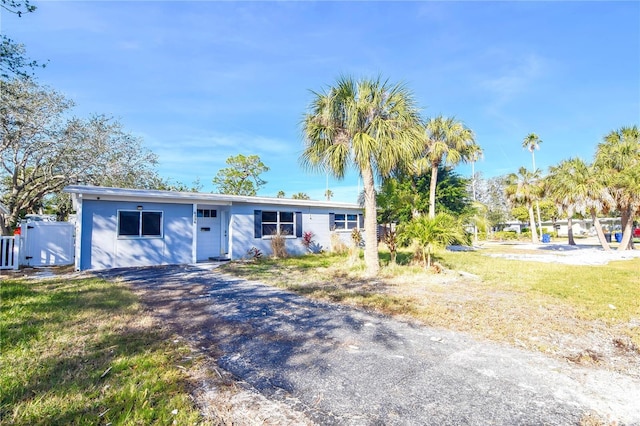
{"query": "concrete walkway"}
pixel 343 366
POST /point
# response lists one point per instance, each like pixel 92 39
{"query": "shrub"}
pixel 431 234
pixel 307 240
pixel 505 235
pixel 278 246
pixel 337 245
pixel 356 237
pixel 390 239
pixel 354 250
pixel 254 253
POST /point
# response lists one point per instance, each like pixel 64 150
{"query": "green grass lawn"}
pixel 82 351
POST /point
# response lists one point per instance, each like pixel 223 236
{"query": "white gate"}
pixel 8 253
pixel 47 243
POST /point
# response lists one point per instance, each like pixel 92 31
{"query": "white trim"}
pixel 77 202
pixel 194 234
pixel 278 223
pixel 140 236
pixel 141 195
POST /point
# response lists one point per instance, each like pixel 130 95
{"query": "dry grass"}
pixel 562 310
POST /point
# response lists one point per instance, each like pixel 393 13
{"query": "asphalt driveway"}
pixel 341 365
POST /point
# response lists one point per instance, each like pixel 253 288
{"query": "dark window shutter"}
pixel 361 221
pixel 332 221
pixel 298 224
pixel 257 223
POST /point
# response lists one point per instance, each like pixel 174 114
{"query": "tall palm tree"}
pixel 524 188
pixel 618 158
pixel 532 142
pixel 369 124
pixel 446 141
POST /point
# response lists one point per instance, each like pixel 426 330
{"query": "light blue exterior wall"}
pixel 101 248
pixel 314 219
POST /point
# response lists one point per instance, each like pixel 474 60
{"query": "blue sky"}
pixel 201 81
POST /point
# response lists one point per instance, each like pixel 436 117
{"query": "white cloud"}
pixel 515 76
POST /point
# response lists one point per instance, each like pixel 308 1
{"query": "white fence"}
pixel 47 244
pixel 39 244
pixel 9 253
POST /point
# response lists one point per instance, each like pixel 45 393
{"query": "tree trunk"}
pixel 432 191
pixel 371 260
pixel 627 230
pixel 415 213
pixel 532 225
pixel 598 226
pixel 572 242
pixel 539 220
pixel 4 229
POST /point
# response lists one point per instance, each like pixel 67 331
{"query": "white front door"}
pixel 207 233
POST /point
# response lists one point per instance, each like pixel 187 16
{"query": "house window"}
pixel 345 221
pixel 139 224
pixel 277 222
pixel 207 213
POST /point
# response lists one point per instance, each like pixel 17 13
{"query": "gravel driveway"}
pixel 340 365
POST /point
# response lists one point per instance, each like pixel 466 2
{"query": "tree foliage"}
pixel 300 196
pixel 524 188
pixel 13 58
pixel 430 234
pixel 405 195
pixel 242 177
pixel 445 142
pixel 617 162
pixel 41 151
pixel 492 193
pixel 369 124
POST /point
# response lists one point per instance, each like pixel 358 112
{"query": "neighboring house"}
pixel 118 227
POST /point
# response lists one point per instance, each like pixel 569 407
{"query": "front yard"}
pixel 83 350
pixel 585 314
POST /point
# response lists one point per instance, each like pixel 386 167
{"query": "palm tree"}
pixel 478 217
pixel 564 187
pixel 369 124
pixel 594 196
pixel 474 156
pixel 532 142
pixel 328 194
pixel 618 159
pixel 430 234
pixel 446 141
pixel 280 194
pixel 524 188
